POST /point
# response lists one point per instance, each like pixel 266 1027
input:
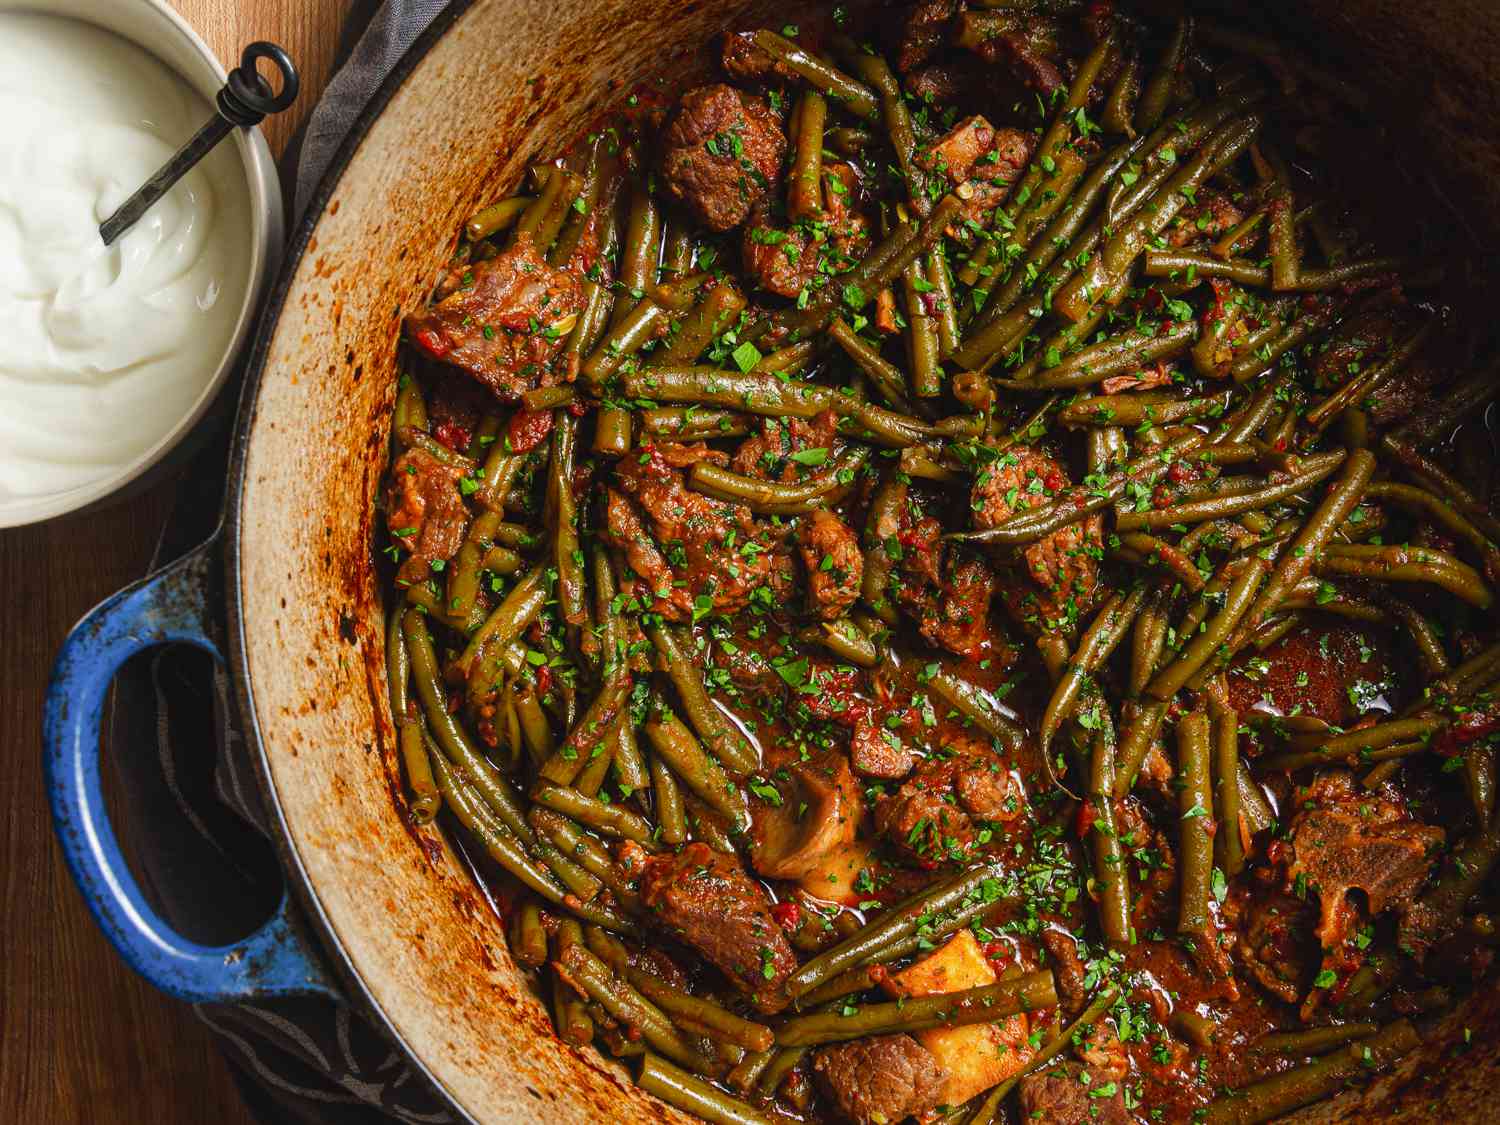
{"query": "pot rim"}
pixel 297 880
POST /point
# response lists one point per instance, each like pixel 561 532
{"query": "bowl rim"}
pixel 267 234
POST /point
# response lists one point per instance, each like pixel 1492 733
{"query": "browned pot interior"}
pixel 507 81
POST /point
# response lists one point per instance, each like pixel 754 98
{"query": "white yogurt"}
pixel 104 351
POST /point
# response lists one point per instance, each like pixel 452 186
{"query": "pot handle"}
pixel 172 606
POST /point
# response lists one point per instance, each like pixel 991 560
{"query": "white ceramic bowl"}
pixel 155 26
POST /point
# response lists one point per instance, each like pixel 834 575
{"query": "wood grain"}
pixel 82 1040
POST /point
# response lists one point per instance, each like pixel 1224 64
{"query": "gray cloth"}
pixel 196 825
pixel 392 30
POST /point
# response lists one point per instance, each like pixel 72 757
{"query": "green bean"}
pixel 1282 236
pixel 612 820
pixel 885 376
pixel 1441 482
pixel 1226 761
pixel 1119 355
pixel 544 217
pixel 922 344
pixel 977 706
pixel 1359 387
pixel 943 300
pixel 1312 470
pixel 1094 648
pixel 686 1092
pixel 1146 643
pixel 397 667
pixel 725 743
pixel 571 842
pixel 597 183
pixel 678 248
pixel 804 183
pixel 689 423
pixel 715 311
pixel 1241 593
pixel 1110 876
pixel 1313 1040
pixel 528 941
pixel 1139 409
pixel 1196 264
pixel 570 1014
pixel 1194 826
pixel 494 789
pixel 1436 913
pixel 590 734
pixel 592 977
pixel 1196 1029
pixel 675 745
pixel 409 415
pixel 516 611
pixel 642 245
pixel 773 498
pixel 1284 1092
pixel 899 922
pixel 1157 94
pixel 1257 358
pixel 873 70
pixel 626 337
pixel 495 218
pixel 536 731
pixel 498 843
pixel 612 431
pixel 856 97
pixel 744 1077
pixel 755 392
pixel 846 641
pixel 416 439
pixel 1120 104
pixel 1433 507
pixel 671 817
pixel 848 140
pixel 1479 780
pixel 723 1025
pixel 986 1004
pixel 1424 637
pixel 1105 272
pixel 1406 564
pixel 1154 550
pixel 885 509
pixel 1080 501
pixel 424 797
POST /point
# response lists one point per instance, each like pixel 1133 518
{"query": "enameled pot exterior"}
pixel 493 85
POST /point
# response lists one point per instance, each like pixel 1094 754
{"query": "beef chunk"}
pixel 1314 671
pixel 785 258
pixel 1214 214
pixel 721 154
pixel 1064 565
pixel 1276 945
pixel 1345 839
pixel 425 511
pixel 505 323
pixel 981 163
pixel 879 1080
pixel 743 61
pixel 947 591
pixel 835 564
pixel 768 454
pixel 1021 42
pixel 930 819
pixel 1070 1094
pixel 697 547
pixel 1365 338
pixel 875 751
pixel 1067 970
pixel 708 902
pixel 923 31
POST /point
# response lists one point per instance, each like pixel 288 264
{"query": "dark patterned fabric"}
pixel 192 817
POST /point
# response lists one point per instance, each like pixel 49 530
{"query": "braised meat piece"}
pixel 881 1079
pixel 425 511
pixel 1276 944
pixel 696 546
pixel 721 154
pixel 835 564
pixel 931 818
pixel 1067 970
pixel 708 902
pixel 1364 339
pixel 1344 838
pixel 1021 42
pixel 876 751
pixel 1069 1093
pixel 743 61
pixel 768 454
pixel 505 322
pixel 1213 215
pixel 981 163
pixel 1064 565
pixel 1332 673
pixel 923 30
pixel 784 258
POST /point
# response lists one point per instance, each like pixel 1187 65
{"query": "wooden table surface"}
pixel 83 1041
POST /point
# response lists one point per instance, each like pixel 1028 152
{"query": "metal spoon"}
pixel 245 100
